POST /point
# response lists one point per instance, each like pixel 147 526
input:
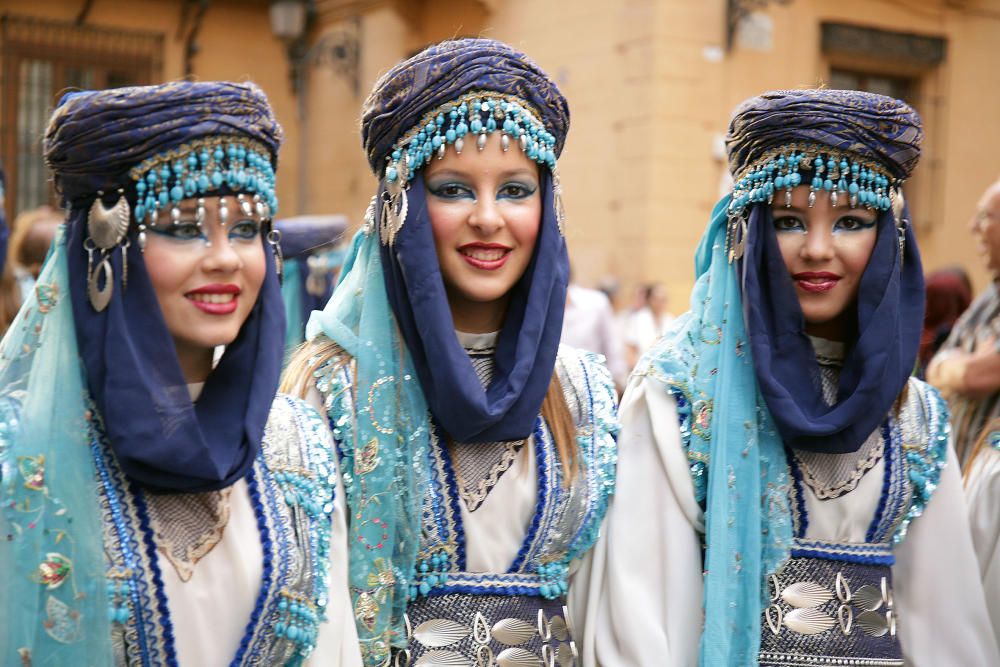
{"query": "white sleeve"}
pixel 983 494
pixel 337 640
pixel 942 609
pixel 636 599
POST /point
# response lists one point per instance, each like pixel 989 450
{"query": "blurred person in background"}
pixel 967 367
pixel 312 259
pixel 30 238
pixel 949 293
pixel 589 324
pixel 645 326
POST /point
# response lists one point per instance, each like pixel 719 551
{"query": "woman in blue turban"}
pixel 161 505
pixel 477 455
pixel 808 505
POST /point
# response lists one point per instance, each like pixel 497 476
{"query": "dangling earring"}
pixel 106 227
pixel 274 240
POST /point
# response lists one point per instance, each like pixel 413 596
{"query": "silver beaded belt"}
pixel 463 630
pixel 825 612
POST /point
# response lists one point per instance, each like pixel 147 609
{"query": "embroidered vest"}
pixel 291 491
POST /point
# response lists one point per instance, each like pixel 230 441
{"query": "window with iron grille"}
pixel 39 61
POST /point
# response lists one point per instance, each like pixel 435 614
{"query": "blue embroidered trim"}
pixel 542 501
pixel 880 554
pixel 451 497
pixel 699 469
pixel 127 544
pixel 161 599
pixel 892 503
pixel 800 517
pixel 486 583
pixel 149 630
pixel 601 457
pixel 266 579
pixel 925 463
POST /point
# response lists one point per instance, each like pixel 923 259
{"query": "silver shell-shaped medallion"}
pixel 559 629
pixel 872 623
pixel 513 631
pixel 808 621
pixel 868 598
pixel 107 226
pixel 518 657
pixel 440 632
pixel 566 655
pixel 805 594
pixel 443 659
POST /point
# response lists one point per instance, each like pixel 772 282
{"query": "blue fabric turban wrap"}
pixel 890 303
pixel 161 439
pixel 529 340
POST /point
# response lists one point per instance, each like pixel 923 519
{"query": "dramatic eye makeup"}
pixel 449 188
pixel 244 230
pixel 789 223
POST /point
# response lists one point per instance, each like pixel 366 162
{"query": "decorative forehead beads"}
pixel 844 178
pixel 200 167
pixel 470 118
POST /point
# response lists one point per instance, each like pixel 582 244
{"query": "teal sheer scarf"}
pixel 736 457
pixel 54 609
pixel 384 434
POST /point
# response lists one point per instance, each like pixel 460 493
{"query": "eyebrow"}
pixel 795 209
pixel 521 172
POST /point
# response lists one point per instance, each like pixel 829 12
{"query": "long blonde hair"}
pixel 298 380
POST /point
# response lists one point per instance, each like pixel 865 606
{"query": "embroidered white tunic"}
pixel 209 603
pixel 643 607
pixel 497 529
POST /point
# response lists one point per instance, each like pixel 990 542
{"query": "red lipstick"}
pixel 216 298
pixel 486 256
pixel 816 281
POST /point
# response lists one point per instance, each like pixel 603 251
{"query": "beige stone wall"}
pixel 650 86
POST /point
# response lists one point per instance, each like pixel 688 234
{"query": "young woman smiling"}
pixel 808 504
pixel 205 539
pixel 478 455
